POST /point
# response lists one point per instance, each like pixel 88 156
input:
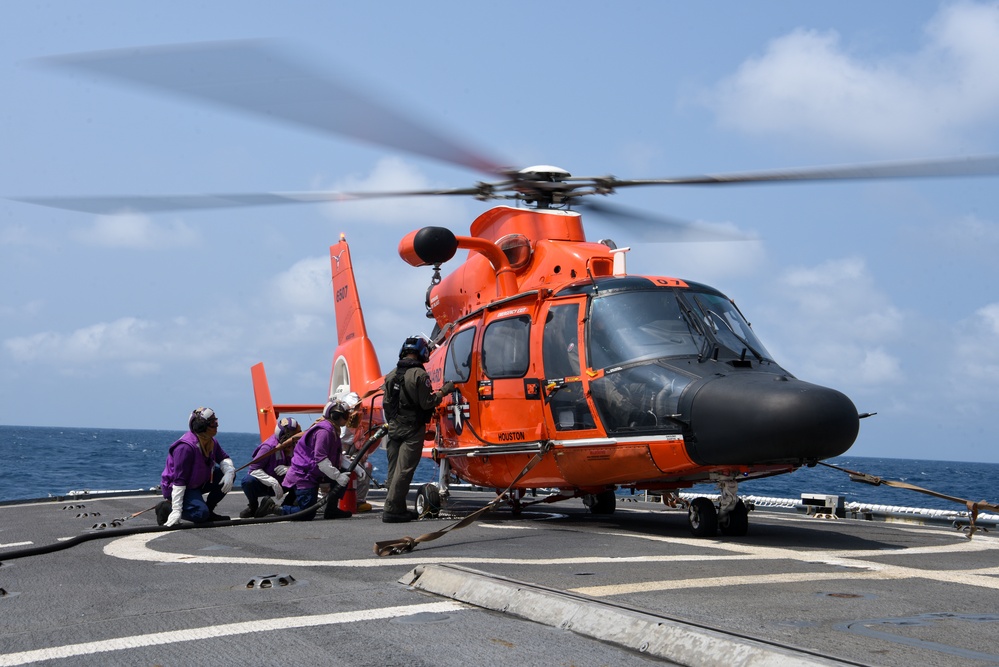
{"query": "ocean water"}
pixel 38 462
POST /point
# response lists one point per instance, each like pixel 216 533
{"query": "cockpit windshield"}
pixel 637 325
pixel 726 325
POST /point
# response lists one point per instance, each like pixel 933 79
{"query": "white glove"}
pixel 278 490
pixel 177 505
pixel 359 471
pixel 346 462
pixel 281 470
pixel 343 479
pixel 228 475
pixel 279 498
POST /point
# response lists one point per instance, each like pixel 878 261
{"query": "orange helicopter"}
pixel 617 380
pixel 559 357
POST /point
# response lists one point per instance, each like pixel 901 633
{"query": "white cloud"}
pixel 712 262
pixel 977 352
pixel 24 311
pixel 392 174
pixel 810 86
pixel 835 327
pixel 305 286
pixel 965 237
pixel 132 343
pixel 133 230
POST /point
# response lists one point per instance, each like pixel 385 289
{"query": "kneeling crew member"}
pixel 312 462
pixel 262 485
pixel 196 464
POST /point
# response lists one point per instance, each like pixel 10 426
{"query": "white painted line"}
pixel 855 565
pixel 135 547
pixel 722 582
pixel 14 544
pixel 226 630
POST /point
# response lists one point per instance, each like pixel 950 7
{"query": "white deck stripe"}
pixel 855 564
pixel 226 630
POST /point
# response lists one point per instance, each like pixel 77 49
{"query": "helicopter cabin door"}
pixel 508 390
pixel 567 408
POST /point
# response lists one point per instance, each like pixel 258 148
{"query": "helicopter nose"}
pixel 755 418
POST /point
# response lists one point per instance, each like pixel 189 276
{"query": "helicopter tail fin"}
pixel 355 364
pixel 267 412
pixel 266 418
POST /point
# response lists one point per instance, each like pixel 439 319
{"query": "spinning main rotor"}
pixel 257 78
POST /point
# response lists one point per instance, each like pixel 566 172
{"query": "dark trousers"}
pixel 198 509
pixel 302 499
pixel 403 457
pixel 254 489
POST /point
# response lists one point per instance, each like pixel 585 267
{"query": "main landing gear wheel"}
pixel 428 501
pixel 601 503
pixel 736 522
pixel 703 517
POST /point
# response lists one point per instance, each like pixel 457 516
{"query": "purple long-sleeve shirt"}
pixel 187 465
pixel 280 458
pixel 320 442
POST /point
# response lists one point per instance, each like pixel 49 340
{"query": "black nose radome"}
pixel 753 418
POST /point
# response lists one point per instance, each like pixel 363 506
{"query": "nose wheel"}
pixel 731 516
pixel 604 502
pixel 703 517
pixel 736 522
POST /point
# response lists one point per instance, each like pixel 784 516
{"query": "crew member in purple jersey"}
pixel 196 464
pixel 262 484
pixel 315 461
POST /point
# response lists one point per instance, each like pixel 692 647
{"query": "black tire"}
pixel 736 524
pixel 601 503
pixel 703 518
pixel 428 501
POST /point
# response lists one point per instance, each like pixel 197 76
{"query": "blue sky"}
pixel 884 290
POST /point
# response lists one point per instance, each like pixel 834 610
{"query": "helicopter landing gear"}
pixel 736 522
pixel 733 515
pixel 516 506
pixel 601 503
pixel 428 501
pixel 703 517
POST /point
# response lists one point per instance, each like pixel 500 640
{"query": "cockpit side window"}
pixel 725 323
pixel 458 361
pixel 506 347
pixel 561 341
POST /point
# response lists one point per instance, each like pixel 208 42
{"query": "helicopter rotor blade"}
pixel 115 204
pixel 979 165
pixel 256 77
pixel 655 228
